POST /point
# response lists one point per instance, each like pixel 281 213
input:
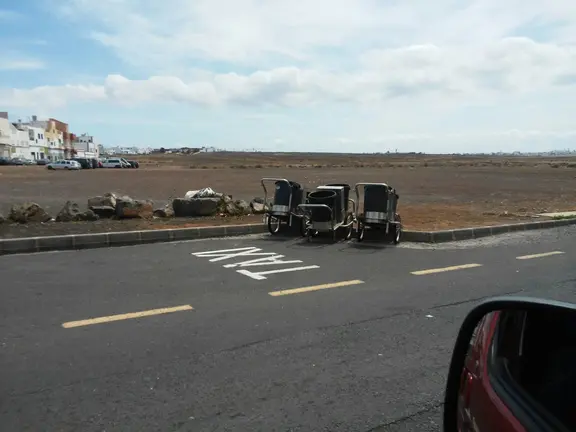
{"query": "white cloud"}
pixel 450 74
pixel 46 97
pixel 259 33
pixel 7 64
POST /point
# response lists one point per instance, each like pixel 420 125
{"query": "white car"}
pixel 115 163
pixel 64 164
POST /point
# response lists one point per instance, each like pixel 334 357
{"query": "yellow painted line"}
pixel 315 288
pixel 126 316
pixel 541 255
pixel 445 269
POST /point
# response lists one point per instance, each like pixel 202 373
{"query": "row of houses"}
pixel 43 139
pixel 112 151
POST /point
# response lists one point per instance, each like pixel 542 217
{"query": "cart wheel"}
pixel 360 232
pixel 398 229
pixel 273 224
pixel 350 223
pixel 304 226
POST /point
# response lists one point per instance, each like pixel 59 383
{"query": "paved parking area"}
pixel 252 333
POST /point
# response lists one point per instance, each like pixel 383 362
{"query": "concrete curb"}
pixel 124 238
pixel 131 238
pixel 474 233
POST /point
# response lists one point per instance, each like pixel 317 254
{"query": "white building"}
pixel 5 136
pixel 37 140
pixel 86 146
pixel 20 142
pixel 126 150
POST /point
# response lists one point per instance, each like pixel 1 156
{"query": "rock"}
pixel 165 212
pixel 28 212
pixel 195 207
pixel 104 212
pixel 225 201
pixel 106 200
pixel 71 213
pixel 129 208
pixel 89 215
pixel 258 200
pixel 68 213
pixel 238 208
pixel 257 207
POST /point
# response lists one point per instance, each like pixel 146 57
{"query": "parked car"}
pixel 84 162
pixel 42 161
pixel 4 161
pixel 512 368
pixel 114 163
pixel 64 164
pixel 134 164
pixel 17 161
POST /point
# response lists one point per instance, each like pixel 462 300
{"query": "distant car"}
pixel 134 164
pixel 84 162
pixel 28 162
pixel 17 161
pixel 115 163
pixel 42 161
pixel 65 165
pixel 4 161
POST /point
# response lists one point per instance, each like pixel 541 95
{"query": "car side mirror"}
pixel 513 368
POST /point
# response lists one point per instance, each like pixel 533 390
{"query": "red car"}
pixel 514 368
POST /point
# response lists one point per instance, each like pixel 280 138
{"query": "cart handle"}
pixel 350 200
pixel 272 179
pixel 367 184
pixel 311 206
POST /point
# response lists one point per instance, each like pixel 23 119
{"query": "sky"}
pixel 439 76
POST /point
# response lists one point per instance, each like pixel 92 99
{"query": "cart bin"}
pixel 339 202
pixel 327 197
pixel 346 195
pixel 282 195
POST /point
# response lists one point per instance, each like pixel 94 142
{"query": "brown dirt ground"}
pixel 435 192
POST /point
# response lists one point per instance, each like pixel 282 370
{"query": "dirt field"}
pixel 435 192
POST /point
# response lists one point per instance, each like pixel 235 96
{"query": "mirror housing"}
pixel 459 377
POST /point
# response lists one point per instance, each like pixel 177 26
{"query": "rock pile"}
pixel 201 203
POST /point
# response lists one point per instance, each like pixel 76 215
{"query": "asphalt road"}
pixel 369 355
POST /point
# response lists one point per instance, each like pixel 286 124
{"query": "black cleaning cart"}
pixel 379 211
pixel 284 208
pixel 328 209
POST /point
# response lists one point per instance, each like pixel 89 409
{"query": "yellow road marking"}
pixel 445 269
pixel 126 316
pixel 315 288
pixel 525 257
